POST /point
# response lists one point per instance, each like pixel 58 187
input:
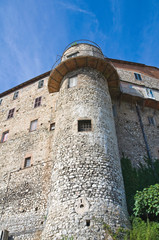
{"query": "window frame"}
pixel 31 123
pixel 15 95
pixel 4 136
pixel 40 83
pixel 151 120
pixel 84 122
pixel 149 93
pixel 11 113
pixel 71 78
pixel 138 76
pixel 25 162
pixel 37 102
pixel 52 126
pixel 75 54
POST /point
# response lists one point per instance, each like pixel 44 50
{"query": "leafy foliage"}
pixel 137 179
pixel 142 230
pixel 118 234
pixel 147 203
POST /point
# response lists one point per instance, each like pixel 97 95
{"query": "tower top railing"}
pixel 75 43
pixel 86 41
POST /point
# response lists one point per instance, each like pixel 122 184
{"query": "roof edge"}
pixel 131 63
pixel 24 84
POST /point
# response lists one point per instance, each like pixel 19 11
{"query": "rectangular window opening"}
pixel 52 126
pixel 84 125
pixel 15 95
pixel 72 82
pixel 11 113
pixel 88 222
pixel 149 93
pixel 37 102
pixel 1 101
pixel 72 55
pixel 40 83
pixel 138 76
pixel 4 136
pixel 33 125
pixel 151 120
pixel 27 162
pixel 114 110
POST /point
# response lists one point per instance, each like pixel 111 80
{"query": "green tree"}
pixel 147 203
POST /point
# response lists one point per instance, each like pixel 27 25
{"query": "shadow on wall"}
pixel 135 179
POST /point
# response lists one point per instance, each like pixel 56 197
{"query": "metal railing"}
pixel 74 43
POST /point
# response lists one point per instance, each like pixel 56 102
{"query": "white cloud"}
pixel 116 11
pixel 75 8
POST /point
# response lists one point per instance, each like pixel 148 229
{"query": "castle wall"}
pixel 130 138
pixel 43 201
pixel 147 80
pixel 24 191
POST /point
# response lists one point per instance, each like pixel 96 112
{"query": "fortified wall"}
pixel 62 136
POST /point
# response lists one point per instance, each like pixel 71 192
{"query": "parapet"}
pixel 80 55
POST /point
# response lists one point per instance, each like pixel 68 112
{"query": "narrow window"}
pixel 114 110
pixel 72 82
pixel 4 136
pixel 40 83
pixel 1 101
pixel 11 113
pixel 52 126
pixel 149 93
pixel 151 120
pixel 137 76
pixel 27 162
pixel 73 55
pixel 37 102
pixel 15 95
pixel 84 125
pixel 87 223
pixel 33 125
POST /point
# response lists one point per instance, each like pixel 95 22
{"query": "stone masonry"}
pixel 73 183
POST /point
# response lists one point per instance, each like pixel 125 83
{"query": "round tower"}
pixel 87 187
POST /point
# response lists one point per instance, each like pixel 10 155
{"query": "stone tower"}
pixel 87 186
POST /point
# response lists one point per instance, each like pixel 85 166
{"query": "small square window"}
pixel 40 83
pixel 15 95
pixel 33 125
pixel 149 93
pixel 73 55
pixel 4 136
pixel 11 113
pixel 137 76
pixel 37 102
pixel 151 121
pixel 52 126
pixel 27 162
pixel 72 81
pixel 1 101
pixel 84 125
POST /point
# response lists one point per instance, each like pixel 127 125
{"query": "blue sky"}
pixel 34 32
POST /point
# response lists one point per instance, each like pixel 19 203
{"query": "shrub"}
pixel 137 179
pixel 147 203
pixel 142 230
